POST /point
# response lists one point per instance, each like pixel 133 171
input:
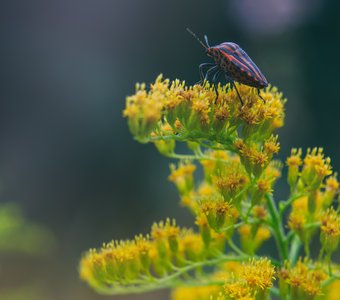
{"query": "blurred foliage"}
pixel 24 238
pixel 18 235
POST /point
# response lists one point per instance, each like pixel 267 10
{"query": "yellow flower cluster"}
pixel 252 237
pixel 182 177
pixel 195 293
pixel 193 113
pixel 253 282
pixel 126 262
pixel 309 177
pixel 330 230
pixel 234 144
pixel 315 168
pixel 303 281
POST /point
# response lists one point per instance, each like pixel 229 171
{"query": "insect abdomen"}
pixel 239 66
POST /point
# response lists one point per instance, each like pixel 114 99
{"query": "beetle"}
pixel 232 61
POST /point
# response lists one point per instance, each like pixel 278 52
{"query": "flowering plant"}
pixel 233 204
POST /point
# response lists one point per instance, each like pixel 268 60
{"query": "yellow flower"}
pixel 230 179
pixel 195 293
pixel 238 290
pixel 163 230
pixel 191 245
pixel 333 291
pixel 195 111
pixel 182 177
pixel 258 274
pixel 315 168
pixel 303 279
pixel 252 238
pixel 330 230
pixel 295 158
pixel 271 146
pixel 259 212
pixel 294 162
pixel 297 220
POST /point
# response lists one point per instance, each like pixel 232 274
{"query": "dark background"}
pixel 66 155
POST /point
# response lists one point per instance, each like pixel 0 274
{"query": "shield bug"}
pixel 232 61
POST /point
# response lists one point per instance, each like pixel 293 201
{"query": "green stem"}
pixel 236 249
pixel 294 251
pixel 277 227
pixel 164 282
pixel 192 157
pixel 227 144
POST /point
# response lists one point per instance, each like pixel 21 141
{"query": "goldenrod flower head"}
pixel 252 238
pixel 255 278
pixel 258 274
pixel 206 190
pixel 144 111
pixel 262 234
pixel 194 111
pixel 217 162
pixel 294 160
pixel 218 212
pixel 331 190
pixel 238 290
pixel 230 184
pixel 165 147
pixel 253 158
pixel 300 204
pixel 332 183
pixel 297 220
pixel 195 293
pixel 264 186
pixel 260 212
pixel 167 229
pixel 255 111
pixel 330 230
pixel 230 180
pixel 265 183
pixel 271 146
pixel 245 230
pixel 191 245
pixel 92 267
pixel 115 261
pixel 304 278
pixel 182 176
pixel 189 201
pixel 232 267
pixel 316 167
pixel 273 171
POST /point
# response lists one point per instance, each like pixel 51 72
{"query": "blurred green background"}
pixel 67 159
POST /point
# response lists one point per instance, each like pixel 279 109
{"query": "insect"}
pixel 232 61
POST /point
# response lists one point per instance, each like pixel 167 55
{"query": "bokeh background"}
pixel 67 160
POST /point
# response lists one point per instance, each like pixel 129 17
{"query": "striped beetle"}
pixel 230 59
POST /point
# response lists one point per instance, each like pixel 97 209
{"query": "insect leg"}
pixel 238 94
pixel 201 67
pixel 229 80
pixel 258 92
pixel 210 72
pixel 214 80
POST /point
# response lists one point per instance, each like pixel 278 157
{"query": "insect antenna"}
pixel 206 40
pixel 195 36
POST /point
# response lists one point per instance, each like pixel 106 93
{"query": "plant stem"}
pixel 294 249
pixel 164 282
pixel 277 228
